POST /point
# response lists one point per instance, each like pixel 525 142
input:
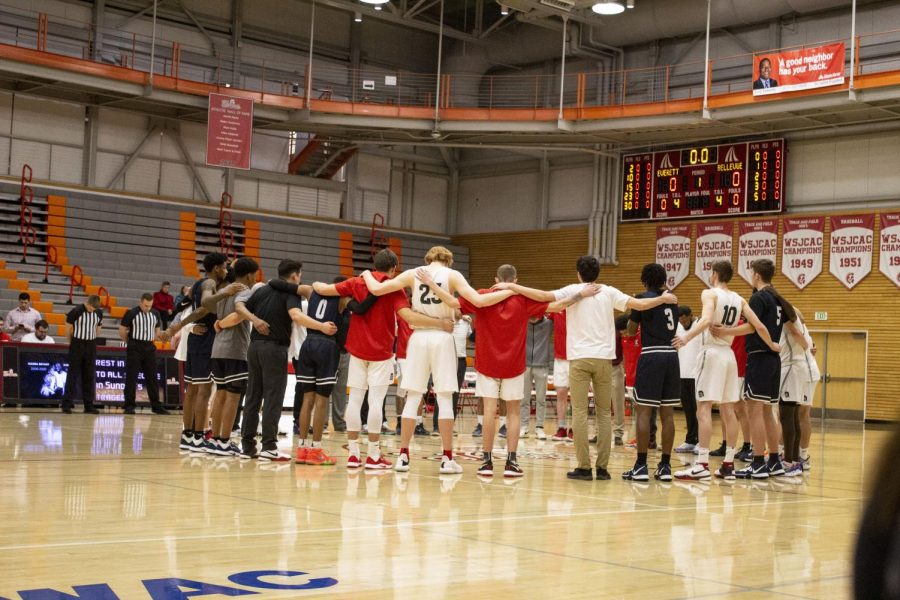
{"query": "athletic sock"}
pixel 316 444
pixel 758 459
pixel 780 448
pixel 729 454
pixel 374 450
pixel 448 454
pixel 353 447
pixel 405 451
pixel 745 447
pixel 420 420
pixel 562 423
pixel 665 459
pixel 703 456
pixel 773 457
pixel 486 456
pixel 301 443
pixel 804 453
pixel 641 458
pixel 480 420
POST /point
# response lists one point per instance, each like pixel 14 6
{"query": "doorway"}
pixel 841 356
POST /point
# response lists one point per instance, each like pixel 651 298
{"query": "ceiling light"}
pixel 504 10
pixel 629 3
pixel 374 1
pixel 608 7
pixel 228 85
pixel 357 17
pixel 377 7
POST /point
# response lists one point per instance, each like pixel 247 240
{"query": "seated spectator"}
pixel 21 320
pixel 179 299
pixel 164 304
pixel 39 336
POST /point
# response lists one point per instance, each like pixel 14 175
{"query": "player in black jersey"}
pixel 762 381
pixel 658 378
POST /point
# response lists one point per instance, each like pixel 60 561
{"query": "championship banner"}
pixel 851 248
pixel 229 131
pixel 673 252
pixel 802 248
pixel 756 239
pixel 713 244
pixel 803 69
pixel 889 254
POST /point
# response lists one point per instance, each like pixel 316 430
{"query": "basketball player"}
pixel 805 407
pixel 762 381
pixel 716 376
pixel 432 351
pixel 205 295
pixel 500 357
pixel 370 344
pixel 796 372
pixel 657 383
pixel 560 375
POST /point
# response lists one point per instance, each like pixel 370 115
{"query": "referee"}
pixel 138 328
pixel 83 325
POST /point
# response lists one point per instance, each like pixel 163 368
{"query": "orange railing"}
pixel 51 259
pixel 27 233
pixel 76 279
pixel 335 88
pixel 226 233
pixel 104 297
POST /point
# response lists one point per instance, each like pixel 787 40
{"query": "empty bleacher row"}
pixel 130 245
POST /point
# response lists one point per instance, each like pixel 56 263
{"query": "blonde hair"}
pixel 439 254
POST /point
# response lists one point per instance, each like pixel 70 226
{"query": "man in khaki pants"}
pixel 591 349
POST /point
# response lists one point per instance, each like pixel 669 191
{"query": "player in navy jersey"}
pixel 658 379
pixel 762 381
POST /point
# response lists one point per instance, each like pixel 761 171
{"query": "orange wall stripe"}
pixel 56 227
pixel 187 235
pixel 345 254
pixel 251 239
pixel 396 246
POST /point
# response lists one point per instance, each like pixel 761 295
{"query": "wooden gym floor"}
pixel 108 501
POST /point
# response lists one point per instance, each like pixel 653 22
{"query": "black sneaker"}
pixel 720 451
pixel 663 472
pixel 753 471
pixel 637 473
pixel 420 429
pixel 502 432
pixel 486 469
pixel 512 469
pixel 477 431
pixel 745 455
pixel 581 474
pixel 91 410
pixel 619 442
pixel 726 472
pixel 159 410
pixel 66 410
pixel 128 411
pixel 603 474
pixel 776 468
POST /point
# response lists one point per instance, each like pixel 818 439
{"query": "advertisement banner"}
pixel 802 248
pixel 713 244
pixel 756 239
pixel 673 251
pixel 229 131
pixel 851 248
pixel 791 70
pixel 889 251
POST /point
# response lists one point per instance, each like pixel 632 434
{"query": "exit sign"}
pixel 821 316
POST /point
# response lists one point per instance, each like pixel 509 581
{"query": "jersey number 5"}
pixel 427 297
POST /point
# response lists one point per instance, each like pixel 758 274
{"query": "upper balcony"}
pixel 76 61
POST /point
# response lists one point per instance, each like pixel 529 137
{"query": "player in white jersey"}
pixel 716 375
pixel 432 352
pixel 799 371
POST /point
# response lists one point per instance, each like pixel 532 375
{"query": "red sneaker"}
pixel 380 465
pixel 317 456
pixel 352 462
pixel 302 453
pixel 560 435
pixel 571 435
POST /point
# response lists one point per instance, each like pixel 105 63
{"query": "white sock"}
pixel 374 450
pixel 780 448
pixel 353 447
pixel 703 456
pixel 420 420
pixel 302 443
pixel 729 454
pixel 502 421
pixel 804 453
pixel 562 424
pixel 480 419
pixel 316 444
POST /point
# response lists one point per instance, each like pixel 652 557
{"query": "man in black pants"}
pixel 687 359
pixel 83 325
pixel 271 311
pixel 138 328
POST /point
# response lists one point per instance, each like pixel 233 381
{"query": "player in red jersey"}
pixel 370 344
pixel 500 357
pixel 560 374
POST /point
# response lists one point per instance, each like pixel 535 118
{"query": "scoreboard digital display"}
pixel 743 178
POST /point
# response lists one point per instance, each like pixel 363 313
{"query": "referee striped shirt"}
pixel 84 323
pixel 141 325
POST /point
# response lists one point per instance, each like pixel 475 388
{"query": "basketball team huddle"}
pixel 240 334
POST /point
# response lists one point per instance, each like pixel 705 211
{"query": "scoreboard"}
pixel 730 179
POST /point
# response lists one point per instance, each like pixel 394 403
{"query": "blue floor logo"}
pixel 183 589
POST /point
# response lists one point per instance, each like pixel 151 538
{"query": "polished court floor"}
pixel 109 503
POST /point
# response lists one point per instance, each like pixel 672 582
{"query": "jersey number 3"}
pixel 670 319
pixel 427 297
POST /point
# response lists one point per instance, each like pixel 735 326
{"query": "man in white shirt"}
pixel 20 321
pixel 40 334
pixel 687 360
pixel 591 349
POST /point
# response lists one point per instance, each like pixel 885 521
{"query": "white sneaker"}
pixel 539 433
pixel 402 464
pixel 685 448
pixel 697 472
pixel 274 456
pixel 449 467
pixel 523 433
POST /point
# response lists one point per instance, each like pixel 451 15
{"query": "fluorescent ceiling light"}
pixel 608 7
pixel 504 10
pixel 357 17
pixel 374 1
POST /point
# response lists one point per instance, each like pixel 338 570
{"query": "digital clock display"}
pixel 704 181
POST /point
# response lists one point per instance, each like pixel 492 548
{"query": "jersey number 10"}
pixel 730 316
